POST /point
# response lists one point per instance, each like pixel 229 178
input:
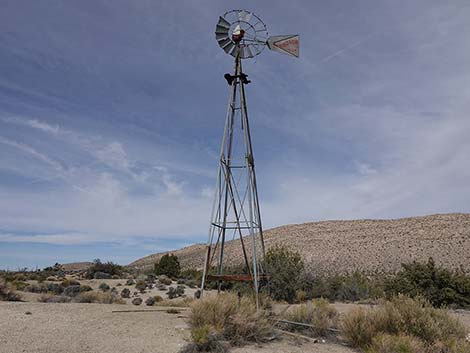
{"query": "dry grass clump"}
pixel 233 319
pixel 318 313
pixel 203 340
pixel 385 343
pixel 184 303
pixel 401 316
pixel 7 292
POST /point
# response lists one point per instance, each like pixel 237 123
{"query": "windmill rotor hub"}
pixel 238 34
pixel 243 34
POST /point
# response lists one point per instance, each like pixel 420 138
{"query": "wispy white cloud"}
pixel 34 153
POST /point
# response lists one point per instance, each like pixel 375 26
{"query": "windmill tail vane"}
pixel 236 211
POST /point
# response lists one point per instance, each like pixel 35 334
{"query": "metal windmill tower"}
pixel 236 211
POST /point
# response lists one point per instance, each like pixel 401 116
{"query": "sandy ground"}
pixel 87 328
pixel 95 328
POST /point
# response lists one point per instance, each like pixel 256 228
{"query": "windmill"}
pixel 235 211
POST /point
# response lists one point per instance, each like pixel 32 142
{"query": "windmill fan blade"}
pixel 220 29
pixel 244 16
pixel 246 52
pixel 223 23
pixel 228 47
pixel 235 52
pixel 288 44
pixel 220 36
pixel 224 42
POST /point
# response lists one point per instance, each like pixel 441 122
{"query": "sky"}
pixel 112 112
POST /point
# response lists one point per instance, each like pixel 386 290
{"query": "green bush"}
pixel 285 268
pixel 108 268
pixel 346 287
pixel 438 285
pixel 168 265
pixel 141 286
pixel 104 287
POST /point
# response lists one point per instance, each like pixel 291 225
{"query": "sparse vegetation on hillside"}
pixel 403 322
pixel 168 265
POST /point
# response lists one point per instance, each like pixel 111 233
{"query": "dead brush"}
pixel 320 314
pixel 234 320
pixel 385 343
pixel 401 316
pixel 7 292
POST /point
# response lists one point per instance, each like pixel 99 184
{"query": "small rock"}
pixel 28 313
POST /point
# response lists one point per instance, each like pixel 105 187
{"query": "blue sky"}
pixel 111 114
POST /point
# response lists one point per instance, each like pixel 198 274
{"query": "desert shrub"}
pixel 69 282
pixel 130 282
pixel 235 320
pixel 319 313
pixel 54 288
pixel 301 296
pixel 104 287
pixel 343 287
pixel 36 288
pixel 126 293
pixel 168 265
pixel 191 274
pixel 150 279
pixel 179 290
pixel 19 285
pixel 137 301
pixel 164 280
pixel 97 297
pixel 85 288
pixel 141 286
pixel 401 315
pixel 450 346
pixel 72 291
pixel 171 293
pixel 184 303
pixel 150 301
pixel 7 293
pixel 203 340
pixel 384 343
pixel 158 298
pixel 102 275
pixel 285 268
pixel 100 270
pixel 438 285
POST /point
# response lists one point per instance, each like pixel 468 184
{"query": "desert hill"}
pixel 367 245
